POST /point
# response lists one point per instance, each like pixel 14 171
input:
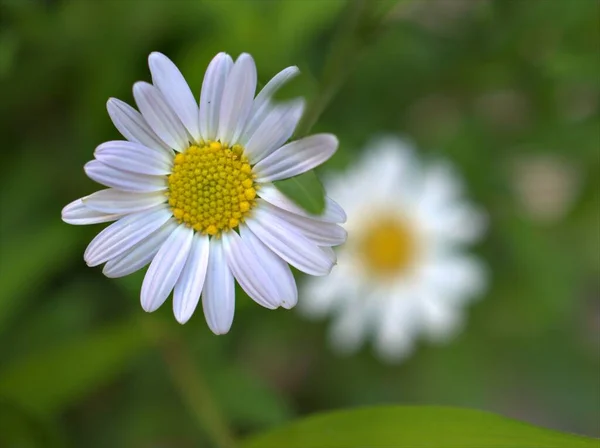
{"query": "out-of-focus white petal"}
pixel 441 320
pixel 349 327
pixel 124 234
pixel 122 202
pixel 218 295
pixel 452 224
pixel 276 128
pixel 399 320
pixel 237 99
pixel 212 93
pixel 139 255
pixel 124 180
pixel 296 157
pixel 189 286
pixel 176 91
pixel 441 185
pixel 77 213
pixel 459 278
pixel 165 268
pixel 133 127
pixel 249 271
pixel 322 295
pixel 161 118
pixel 130 156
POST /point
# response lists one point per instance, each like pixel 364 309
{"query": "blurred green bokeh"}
pixel 508 90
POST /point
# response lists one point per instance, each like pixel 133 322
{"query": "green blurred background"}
pixel 508 90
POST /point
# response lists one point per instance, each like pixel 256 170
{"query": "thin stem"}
pixel 337 67
pixel 192 387
pixel 361 21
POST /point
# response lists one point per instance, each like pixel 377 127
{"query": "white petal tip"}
pixel 182 316
pixel 90 263
pixel 149 307
pixel 138 85
pixel 156 58
pixel 109 274
pixel 288 305
pixel 181 320
pixel 155 55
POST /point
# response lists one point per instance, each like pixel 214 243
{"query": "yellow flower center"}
pixel 388 247
pixel 211 187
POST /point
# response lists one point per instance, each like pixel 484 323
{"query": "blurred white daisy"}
pixel 402 271
pixel 191 192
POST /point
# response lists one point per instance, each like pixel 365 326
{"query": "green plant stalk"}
pixel 191 385
pixel 344 53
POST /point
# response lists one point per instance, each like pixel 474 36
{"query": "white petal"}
pixel 441 321
pixel 237 99
pixel 124 234
pixel 321 295
pixel 133 127
pixel 176 91
pixel 131 156
pixel 218 295
pixel 277 127
pixel 165 268
pixel 77 213
pixel 399 323
pixel 160 116
pixel 321 233
pixel 349 328
pixel 139 255
pixel 452 223
pixel 394 346
pixel 262 103
pixel 212 93
pixel 459 278
pixel 289 244
pixel 296 157
pixel 189 286
pixel 332 213
pixel 441 183
pixel 280 272
pixel 330 253
pixel 249 271
pixel 122 202
pixel 124 180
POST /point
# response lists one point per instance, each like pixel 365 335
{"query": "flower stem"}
pixel 192 387
pixel 343 54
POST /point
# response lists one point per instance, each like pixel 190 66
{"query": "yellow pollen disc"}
pixel 388 247
pixel 211 187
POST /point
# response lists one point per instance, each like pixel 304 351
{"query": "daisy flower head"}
pixel 191 192
pixel 402 272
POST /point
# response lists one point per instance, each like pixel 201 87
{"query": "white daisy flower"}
pixel 191 192
pixel 402 271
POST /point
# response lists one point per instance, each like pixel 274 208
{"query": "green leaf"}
pixel 19 428
pixel 36 254
pixel 60 376
pixel 305 190
pixel 414 427
pixel 234 388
